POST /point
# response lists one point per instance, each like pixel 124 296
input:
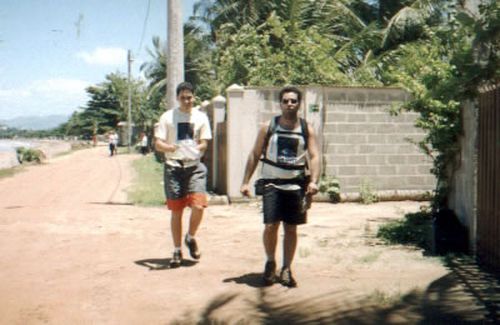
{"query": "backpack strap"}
pixel 273 125
pixel 305 135
pixel 305 132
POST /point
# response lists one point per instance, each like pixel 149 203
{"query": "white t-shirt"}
pixel 184 130
pixel 113 138
pixel 144 141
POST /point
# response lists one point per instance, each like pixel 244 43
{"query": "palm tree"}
pixel 329 15
pixel 156 69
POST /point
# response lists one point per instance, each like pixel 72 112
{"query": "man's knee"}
pixel 290 229
pixel 271 227
pixel 198 207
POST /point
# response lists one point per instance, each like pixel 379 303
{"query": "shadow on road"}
pixel 111 203
pixel 251 279
pixel 158 264
pixel 466 295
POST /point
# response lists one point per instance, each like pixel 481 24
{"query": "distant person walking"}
pixel 143 143
pixel 288 180
pixel 182 135
pixel 113 142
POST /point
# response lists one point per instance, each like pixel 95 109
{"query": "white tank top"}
pixel 285 147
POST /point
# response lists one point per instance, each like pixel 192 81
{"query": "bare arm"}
pixel 253 159
pixel 202 145
pixel 314 161
pixel 162 146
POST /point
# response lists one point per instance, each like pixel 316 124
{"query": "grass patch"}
pixel 147 187
pixel 370 258
pixel 304 252
pixel 384 299
pixel 414 229
pixel 9 172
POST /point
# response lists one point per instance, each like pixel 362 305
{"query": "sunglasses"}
pixel 286 101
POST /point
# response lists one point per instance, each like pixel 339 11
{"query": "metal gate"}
pixel 488 205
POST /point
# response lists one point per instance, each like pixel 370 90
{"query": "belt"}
pixel 184 163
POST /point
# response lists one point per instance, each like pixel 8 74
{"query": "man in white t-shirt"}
pixel 182 135
pixel 143 143
pixel 113 142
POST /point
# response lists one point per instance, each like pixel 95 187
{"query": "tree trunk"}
pixel 175 48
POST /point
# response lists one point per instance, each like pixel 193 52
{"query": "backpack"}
pixel 273 125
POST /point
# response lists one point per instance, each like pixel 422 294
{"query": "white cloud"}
pixel 104 56
pixel 59 86
pixel 43 97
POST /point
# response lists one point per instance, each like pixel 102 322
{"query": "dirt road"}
pixel 73 251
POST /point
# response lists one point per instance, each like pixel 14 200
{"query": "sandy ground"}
pixel 74 251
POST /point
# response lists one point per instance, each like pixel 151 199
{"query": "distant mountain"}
pixel 35 122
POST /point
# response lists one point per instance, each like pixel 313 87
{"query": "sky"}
pixel 51 50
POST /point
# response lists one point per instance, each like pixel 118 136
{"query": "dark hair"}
pixel 184 86
pixel 291 89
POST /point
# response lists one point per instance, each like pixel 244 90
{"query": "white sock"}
pixel 177 250
pixel 189 237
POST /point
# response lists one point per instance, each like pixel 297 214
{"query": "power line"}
pixel 144 27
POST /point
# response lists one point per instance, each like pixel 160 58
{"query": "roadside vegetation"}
pixel 415 229
pixel 147 187
pixel 29 155
pixel 8 172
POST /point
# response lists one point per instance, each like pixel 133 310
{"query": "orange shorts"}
pixel 192 199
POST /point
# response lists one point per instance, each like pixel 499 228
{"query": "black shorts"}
pixel 289 206
pixel 180 181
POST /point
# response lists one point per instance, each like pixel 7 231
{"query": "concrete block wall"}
pixel 364 143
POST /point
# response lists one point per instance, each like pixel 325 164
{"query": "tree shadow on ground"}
pixel 158 264
pixel 474 280
pixel 479 282
pixel 466 295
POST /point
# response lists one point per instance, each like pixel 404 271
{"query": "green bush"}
pixel 367 193
pixel 29 155
pixel 330 186
pixel 414 229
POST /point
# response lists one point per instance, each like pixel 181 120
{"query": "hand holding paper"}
pixel 188 148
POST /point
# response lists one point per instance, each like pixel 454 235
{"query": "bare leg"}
pixel 195 220
pixel 289 244
pixel 270 239
pixel 176 227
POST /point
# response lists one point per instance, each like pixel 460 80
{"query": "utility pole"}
pixel 175 50
pixel 129 64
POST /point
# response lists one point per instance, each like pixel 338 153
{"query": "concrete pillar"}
pixel 204 106
pixel 219 114
pixel 237 152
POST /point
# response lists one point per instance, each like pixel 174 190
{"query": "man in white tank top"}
pixel 284 143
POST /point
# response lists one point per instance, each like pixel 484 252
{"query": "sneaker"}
pixel 287 279
pixel 176 260
pixel 193 248
pixel 269 276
